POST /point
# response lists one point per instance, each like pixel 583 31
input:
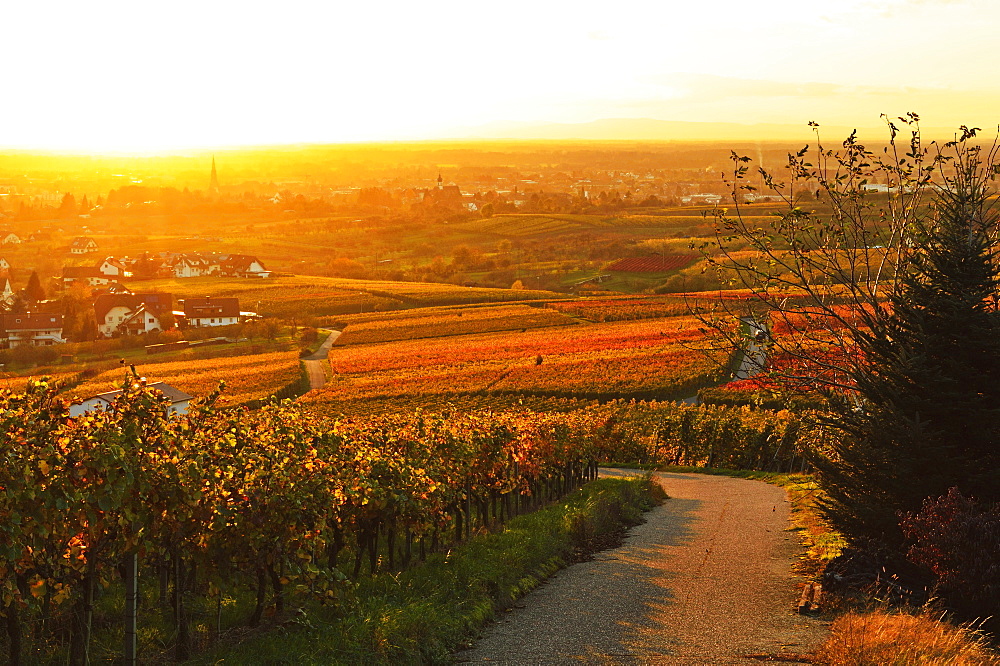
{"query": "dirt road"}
pixel 314 363
pixel 706 580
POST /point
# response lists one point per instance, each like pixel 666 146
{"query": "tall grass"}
pixel 899 639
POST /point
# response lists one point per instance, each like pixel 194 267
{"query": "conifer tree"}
pixel 883 300
pixel 926 416
pixel 34 291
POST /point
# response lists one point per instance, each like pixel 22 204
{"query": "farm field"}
pixel 249 377
pixel 530 224
pixel 298 297
pixel 653 264
pixel 625 308
pixel 649 359
pixel 438 322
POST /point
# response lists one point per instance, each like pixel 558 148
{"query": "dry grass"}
pixel 900 639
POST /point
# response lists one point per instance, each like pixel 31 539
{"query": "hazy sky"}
pixel 152 74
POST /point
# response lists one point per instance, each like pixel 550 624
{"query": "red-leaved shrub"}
pixel 959 540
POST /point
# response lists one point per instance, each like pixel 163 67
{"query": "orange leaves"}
pixel 438 322
pixel 640 359
pixel 248 377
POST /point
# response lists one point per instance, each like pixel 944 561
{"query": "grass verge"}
pixel 423 614
pixel 901 639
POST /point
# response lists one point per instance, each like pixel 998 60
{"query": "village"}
pixel 30 319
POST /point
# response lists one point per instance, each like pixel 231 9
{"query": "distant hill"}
pixel 650 129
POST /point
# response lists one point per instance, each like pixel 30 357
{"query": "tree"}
pixel 884 301
pixel 68 208
pixel 34 291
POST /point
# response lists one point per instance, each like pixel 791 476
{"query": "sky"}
pixel 152 75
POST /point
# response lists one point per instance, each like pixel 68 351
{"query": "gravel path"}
pixel 706 580
pixel 315 362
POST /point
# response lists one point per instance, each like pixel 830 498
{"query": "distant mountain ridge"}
pixel 651 129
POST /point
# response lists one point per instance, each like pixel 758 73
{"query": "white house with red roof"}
pixel 114 267
pixel 211 311
pixel 83 245
pixel 193 265
pixel 86 274
pixel 131 314
pixel 32 330
pixel 242 265
pixel 179 400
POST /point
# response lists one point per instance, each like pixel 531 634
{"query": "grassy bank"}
pixel 421 615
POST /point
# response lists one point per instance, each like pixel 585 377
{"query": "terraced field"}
pixel 298 297
pixel 650 359
pixel 440 322
pixel 250 377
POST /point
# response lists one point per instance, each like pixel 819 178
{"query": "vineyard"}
pixel 527 225
pixel 297 297
pixel 439 322
pixel 250 377
pixel 230 515
pixel 653 264
pixel 652 359
pixel 625 308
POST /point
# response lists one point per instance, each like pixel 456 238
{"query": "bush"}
pixel 959 541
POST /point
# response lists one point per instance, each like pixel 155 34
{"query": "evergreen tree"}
pixel 34 291
pixel 926 413
pixel 885 302
pixel 68 206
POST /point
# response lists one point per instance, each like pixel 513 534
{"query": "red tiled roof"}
pixel 30 322
pixel 211 307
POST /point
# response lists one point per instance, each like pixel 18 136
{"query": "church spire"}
pixel 213 186
pixel 440 181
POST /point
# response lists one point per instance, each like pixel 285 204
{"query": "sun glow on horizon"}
pixel 140 77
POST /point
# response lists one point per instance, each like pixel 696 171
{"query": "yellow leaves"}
pixel 43 467
pixel 38 587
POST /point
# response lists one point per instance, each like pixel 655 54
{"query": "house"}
pixel 11 239
pixel 193 265
pixel 114 267
pixel 242 265
pixel 92 276
pixel 83 245
pixel 179 400
pixel 702 199
pixel 115 288
pixel 132 314
pixel 32 330
pixel 211 311
pixel 4 265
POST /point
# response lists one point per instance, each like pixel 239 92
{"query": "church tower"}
pixel 213 186
pixel 440 181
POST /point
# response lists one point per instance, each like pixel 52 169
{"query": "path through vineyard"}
pixel 314 363
pixel 706 580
